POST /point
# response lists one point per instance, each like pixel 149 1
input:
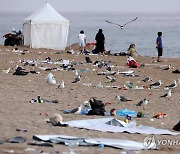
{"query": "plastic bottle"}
pixel 39 99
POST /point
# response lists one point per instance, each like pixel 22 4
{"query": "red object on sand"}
pixel 160 115
pixel 90 43
pixel 46 113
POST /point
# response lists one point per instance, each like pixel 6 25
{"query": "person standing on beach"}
pixel 82 41
pixel 159 46
pixel 100 40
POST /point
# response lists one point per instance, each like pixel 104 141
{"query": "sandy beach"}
pixel 16 92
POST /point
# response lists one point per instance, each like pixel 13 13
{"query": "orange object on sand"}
pixel 90 43
pixel 122 88
pixel 160 115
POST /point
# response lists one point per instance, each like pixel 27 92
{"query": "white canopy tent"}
pixel 46 28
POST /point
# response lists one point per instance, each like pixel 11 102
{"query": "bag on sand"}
pixel 132 63
pixel 177 126
pixel 98 108
pixel 50 79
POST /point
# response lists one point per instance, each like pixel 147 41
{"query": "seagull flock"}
pixel 119 98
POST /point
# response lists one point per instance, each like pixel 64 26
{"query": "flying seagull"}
pixel 121 26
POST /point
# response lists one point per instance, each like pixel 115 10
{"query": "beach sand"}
pixel 16 111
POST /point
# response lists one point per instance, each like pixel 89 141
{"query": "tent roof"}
pixel 47 14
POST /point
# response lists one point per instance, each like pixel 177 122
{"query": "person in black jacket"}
pixel 100 40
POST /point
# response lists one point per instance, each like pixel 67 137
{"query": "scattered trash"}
pixel 6 71
pixel 43 144
pixel 30 149
pixel 87 84
pixel 42 100
pixel 140 114
pixel 84 70
pixel 177 126
pixel 22 130
pixel 131 85
pixel 50 79
pixel 126 112
pixel 17 139
pixel 160 115
pixel 57 120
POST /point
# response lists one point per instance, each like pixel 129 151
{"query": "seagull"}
pixel 61 86
pixel 142 102
pixel 76 73
pixel 77 79
pixel 88 60
pixel 173 85
pixel 156 84
pixel 178 81
pixel 168 67
pixel 121 26
pixel 76 110
pixel 99 85
pixel 168 94
pixel 108 68
pixel 122 98
pixel 147 79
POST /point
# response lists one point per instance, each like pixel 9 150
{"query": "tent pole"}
pixel 70 36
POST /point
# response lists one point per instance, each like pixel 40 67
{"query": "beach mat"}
pixel 102 124
pixel 76 141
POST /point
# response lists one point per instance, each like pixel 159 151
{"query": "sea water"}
pixel 142 32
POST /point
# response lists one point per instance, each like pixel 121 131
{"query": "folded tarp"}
pixel 111 125
pixel 76 141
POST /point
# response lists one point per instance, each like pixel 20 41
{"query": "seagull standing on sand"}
pixel 77 79
pixel 76 73
pixel 167 95
pixel 156 84
pixel 99 85
pixel 121 98
pixel 178 81
pixel 168 67
pixel 147 79
pixel 173 85
pixel 121 26
pixel 142 102
pixel 76 110
pixel 61 86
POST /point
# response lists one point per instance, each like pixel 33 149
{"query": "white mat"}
pixel 100 125
pixel 76 141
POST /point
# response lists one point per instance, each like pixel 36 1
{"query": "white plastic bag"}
pixel 50 79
